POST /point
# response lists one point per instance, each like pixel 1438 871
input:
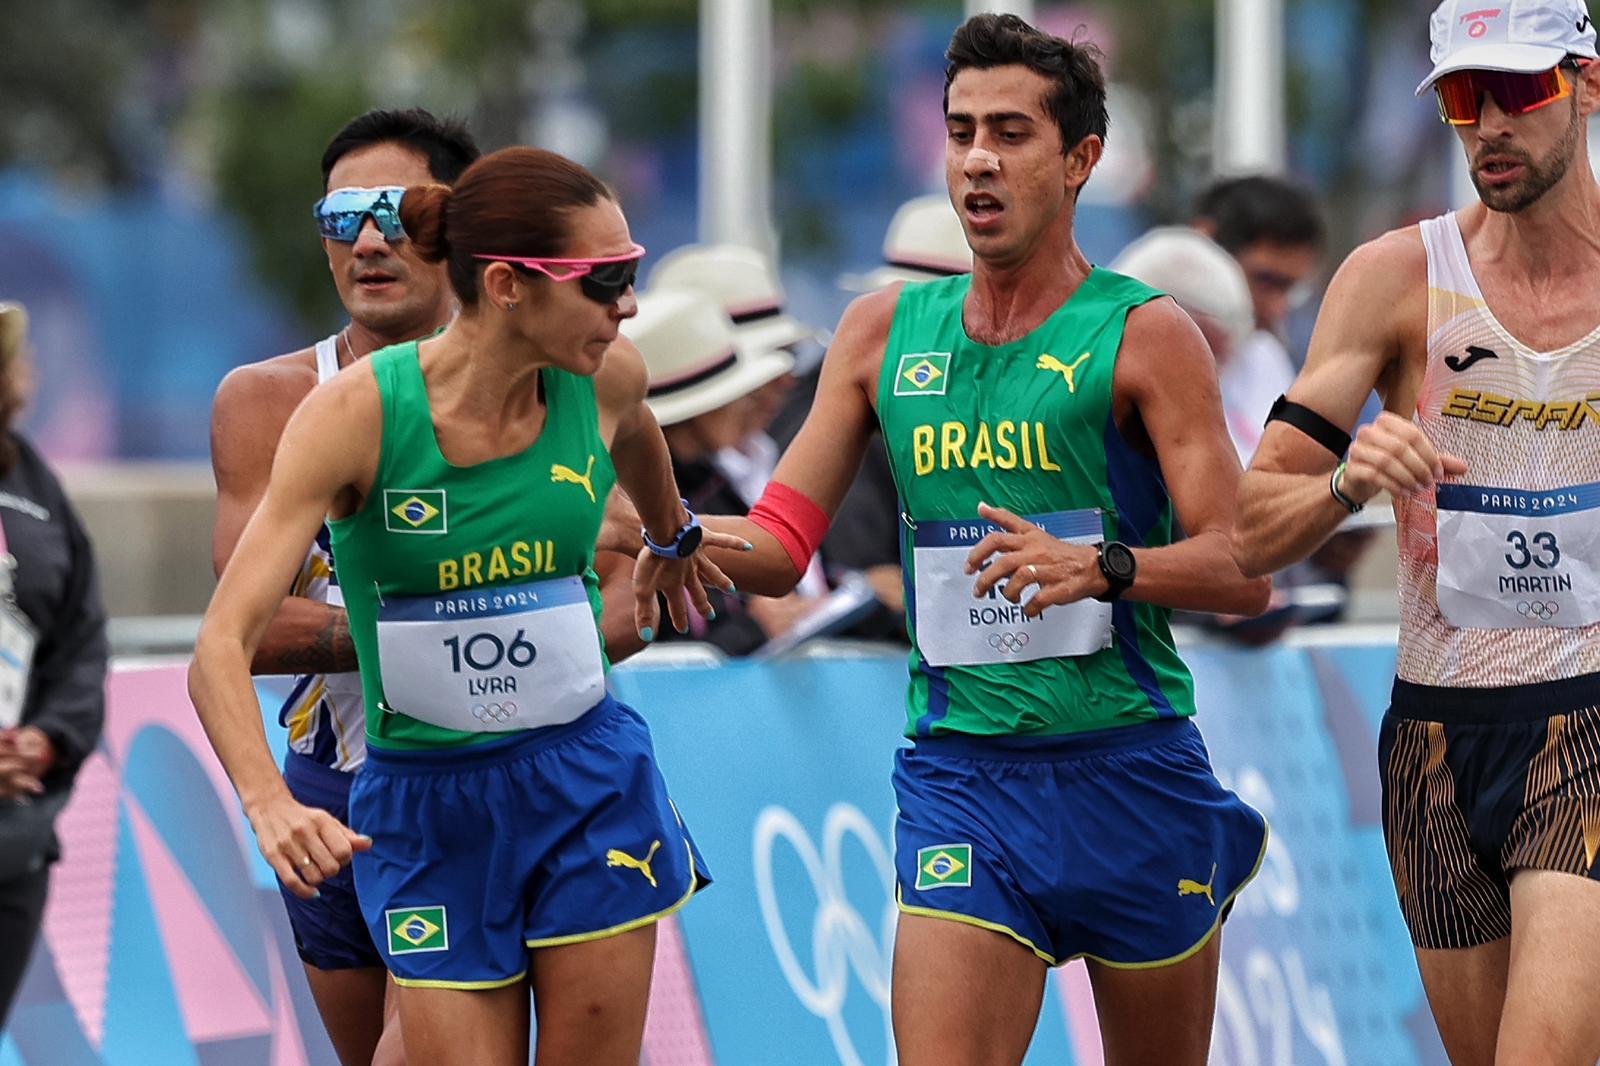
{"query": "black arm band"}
pixel 1311 424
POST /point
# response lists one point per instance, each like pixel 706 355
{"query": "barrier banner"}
pixel 165 942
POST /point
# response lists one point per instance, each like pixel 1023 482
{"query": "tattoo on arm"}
pixel 330 651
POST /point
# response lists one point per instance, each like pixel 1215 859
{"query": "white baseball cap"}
pixel 925 242
pixel 744 282
pixel 696 359
pixel 1520 36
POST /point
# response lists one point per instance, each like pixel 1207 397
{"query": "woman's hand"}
pixel 681 581
pixel 304 845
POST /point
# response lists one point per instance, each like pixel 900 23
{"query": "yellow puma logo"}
pixel 566 475
pixel 1056 366
pixel 618 857
pixel 1187 887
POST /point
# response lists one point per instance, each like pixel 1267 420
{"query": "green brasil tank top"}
pixel 1027 426
pixel 471 598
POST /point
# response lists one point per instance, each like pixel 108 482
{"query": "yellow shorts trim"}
pixel 630 926
pixel 459 986
pixel 967 919
pixel 1199 945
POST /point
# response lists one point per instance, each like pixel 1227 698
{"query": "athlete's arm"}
pixel 1165 383
pixel 247 418
pixel 1374 312
pixel 822 460
pixel 330 443
pixel 615 571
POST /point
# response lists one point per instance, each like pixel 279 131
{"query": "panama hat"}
pixel 925 242
pixel 1196 272
pixel 13 328
pixel 741 280
pixel 696 359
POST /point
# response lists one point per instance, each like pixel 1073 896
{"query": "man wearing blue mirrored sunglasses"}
pixel 391 297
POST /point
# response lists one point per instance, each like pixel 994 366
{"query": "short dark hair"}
pixel 445 143
pixel 1250 210
pixel 1078 100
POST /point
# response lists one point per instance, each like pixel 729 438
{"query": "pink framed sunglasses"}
pixel 602 280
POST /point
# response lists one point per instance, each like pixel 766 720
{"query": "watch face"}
pixel 1119 562
pixel 690 541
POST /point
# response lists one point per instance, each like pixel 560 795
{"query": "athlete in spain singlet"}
pixel 1498 672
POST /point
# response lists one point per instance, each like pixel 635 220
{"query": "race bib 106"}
pixel 956 629
pixel 1517 559
pixel 492 659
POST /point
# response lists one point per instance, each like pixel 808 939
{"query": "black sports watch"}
pixel 1119 567
pixel 684 544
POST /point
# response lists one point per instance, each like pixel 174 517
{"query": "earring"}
pixel 511 306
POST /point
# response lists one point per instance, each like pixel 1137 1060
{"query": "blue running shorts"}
pixel 329 932
pixel 554 836
pixel 1118 845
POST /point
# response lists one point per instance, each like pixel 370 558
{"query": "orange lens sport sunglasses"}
pixel 1460 93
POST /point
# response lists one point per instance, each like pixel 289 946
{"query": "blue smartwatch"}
pixel 684 544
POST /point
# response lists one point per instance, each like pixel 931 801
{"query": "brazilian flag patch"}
pixel 922 374
pixel 417 929
pixel 415 511
pixel 944 866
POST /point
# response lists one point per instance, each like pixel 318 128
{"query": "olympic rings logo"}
pixel 1008 641
pixel 842 941
pixel 495 712
pixel 1540 609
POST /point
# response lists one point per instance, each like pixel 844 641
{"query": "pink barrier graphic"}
pixel 160 944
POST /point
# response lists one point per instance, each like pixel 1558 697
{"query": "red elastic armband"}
pixel 791 517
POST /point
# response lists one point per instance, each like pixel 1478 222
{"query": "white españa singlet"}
pixel 324 713
pixel 1500 568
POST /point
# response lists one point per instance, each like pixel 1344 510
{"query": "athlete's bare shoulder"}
pixel 257 398
pixel 863 336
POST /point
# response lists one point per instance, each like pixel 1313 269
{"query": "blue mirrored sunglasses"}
pixel 341 214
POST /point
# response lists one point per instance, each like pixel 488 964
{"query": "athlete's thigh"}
pixel 351 1004
pixel 591 999
pixel 391 1049
pixel 1551 1016
pixel 460 1027
pixel 1466 990
pixel 1158 1014
pixel 962 994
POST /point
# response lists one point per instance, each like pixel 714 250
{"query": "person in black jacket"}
pixel 52 665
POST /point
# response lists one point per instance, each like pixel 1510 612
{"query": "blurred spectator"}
pixel 1204 280
pixel 1273 228
pixel 743 283
pixel 52 663
pixel 706 388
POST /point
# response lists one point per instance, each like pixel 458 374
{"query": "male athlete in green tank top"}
pixel 1050 425
pixel 1027 424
